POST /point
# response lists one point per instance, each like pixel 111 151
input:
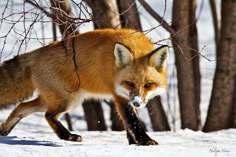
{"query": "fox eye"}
pixel 148 85
pixel 129 83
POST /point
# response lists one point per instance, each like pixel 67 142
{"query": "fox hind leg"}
pixel 21 111
pixel 52 117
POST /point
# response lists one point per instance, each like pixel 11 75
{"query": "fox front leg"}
pixel 136 128
pixel 135 131
pixel 130 138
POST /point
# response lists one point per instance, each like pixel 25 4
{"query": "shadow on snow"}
pixel 13 140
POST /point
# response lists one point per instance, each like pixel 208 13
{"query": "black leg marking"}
pixel 136 127
pixel 60 130
pixel 130 138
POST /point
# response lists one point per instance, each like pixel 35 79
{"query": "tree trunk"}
pixel 105 13
pixel 216 19
pixel 94 115
pixel 157 115
pixel 193 38
pixel 61 10
pixel 129 14
pixel 116 124
pixel 221 104
pixel 233 114
pixel 185 74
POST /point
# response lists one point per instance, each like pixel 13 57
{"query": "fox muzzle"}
pixel 137 102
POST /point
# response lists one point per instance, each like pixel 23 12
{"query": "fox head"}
pixel 140 79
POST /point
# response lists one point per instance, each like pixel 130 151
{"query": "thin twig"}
pixel 157 17
pixel 4 10
pixel 39 7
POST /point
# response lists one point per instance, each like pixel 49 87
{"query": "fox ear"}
pixel 158 58
pixel 123 56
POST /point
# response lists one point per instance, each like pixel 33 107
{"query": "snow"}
pixel 27 143
pixel 32 137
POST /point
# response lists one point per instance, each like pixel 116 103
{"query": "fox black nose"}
pixel 136 104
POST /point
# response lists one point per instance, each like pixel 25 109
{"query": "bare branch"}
pixel 157 17
pixel 6 35
pixel 4 10
pixel 27 31
pixel 35 4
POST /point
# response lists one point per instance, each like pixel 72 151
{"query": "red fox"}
pixel 120 64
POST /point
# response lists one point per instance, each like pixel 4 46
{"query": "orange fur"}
pixel 63 72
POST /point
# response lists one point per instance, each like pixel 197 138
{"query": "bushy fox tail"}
pixel 15 80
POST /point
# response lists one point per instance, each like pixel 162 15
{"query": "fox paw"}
pixel 148 142
pixel 75 138
pixel 3 131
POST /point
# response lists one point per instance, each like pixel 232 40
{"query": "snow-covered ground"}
pixel 33 143
pixel 33 137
